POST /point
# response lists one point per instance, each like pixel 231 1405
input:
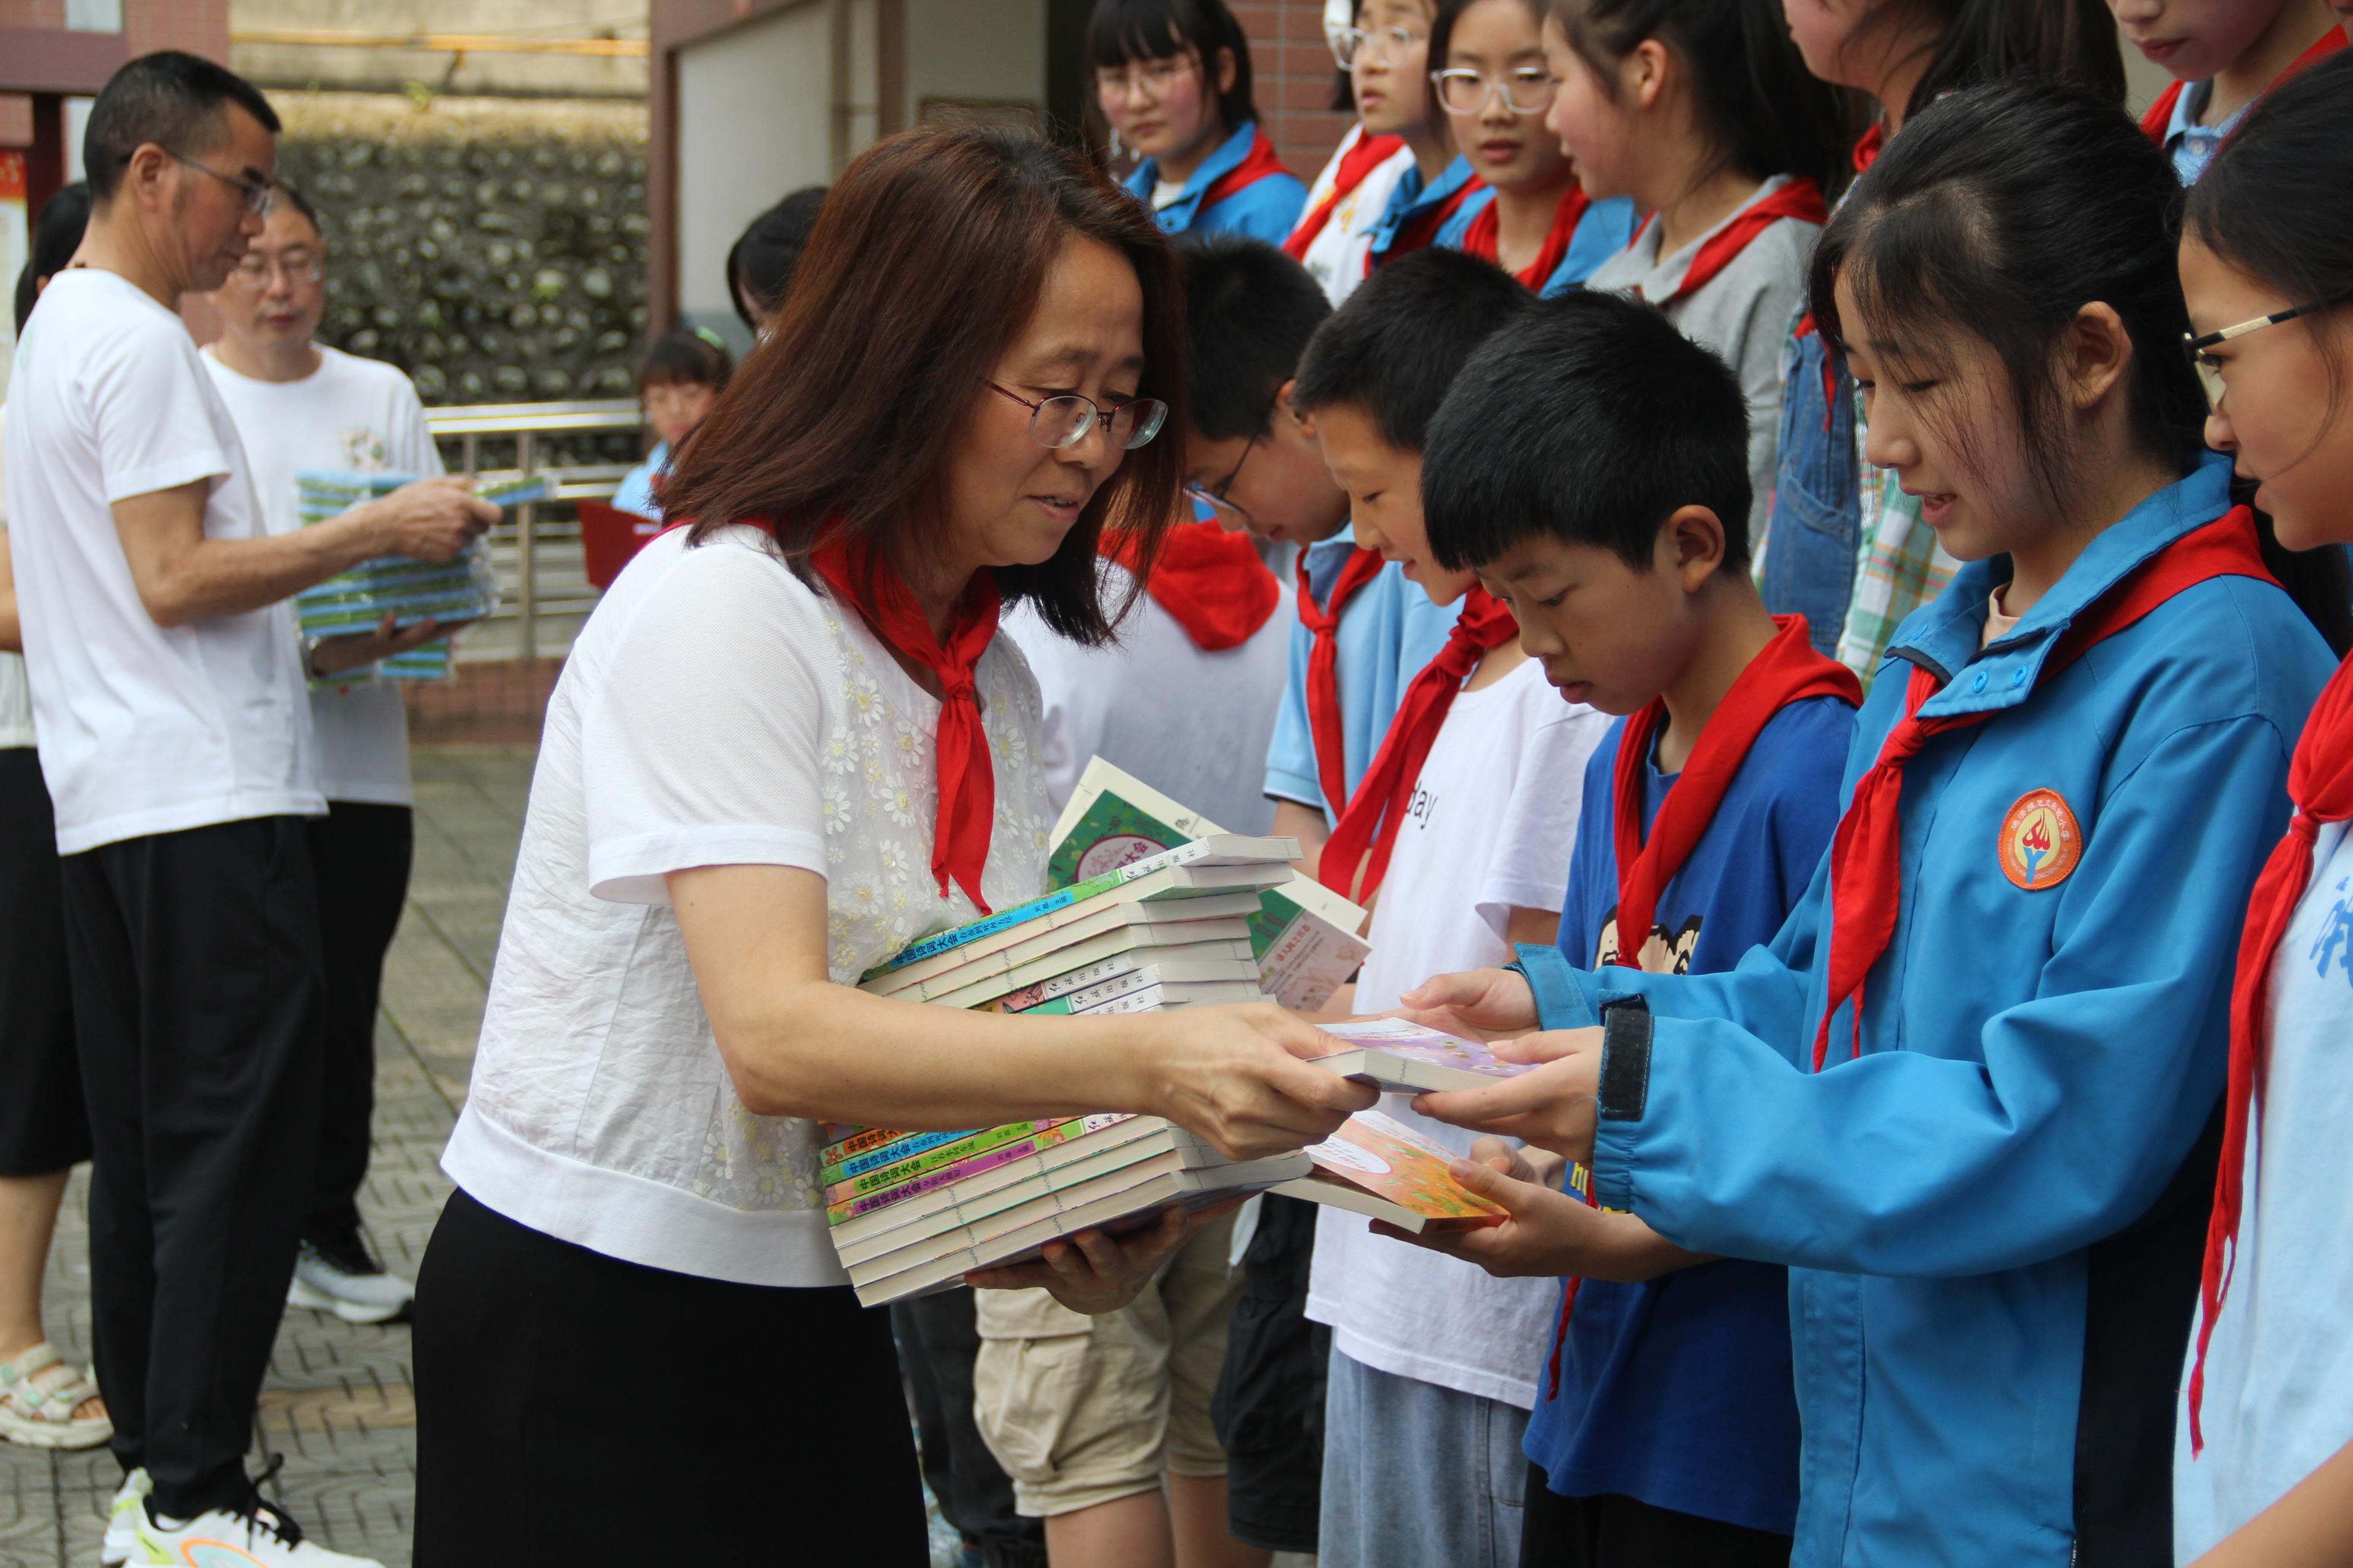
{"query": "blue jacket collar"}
pixel 1179 213
pixel 1943 636
pixel 1412 198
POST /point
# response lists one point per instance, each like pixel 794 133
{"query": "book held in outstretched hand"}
pixel 1408 1057
pixel 912 1212
pixel 1303 935
pixel 1377 1166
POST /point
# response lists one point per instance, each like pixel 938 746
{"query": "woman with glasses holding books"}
pixel 789 744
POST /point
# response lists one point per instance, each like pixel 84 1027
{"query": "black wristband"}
pixel 1625 1060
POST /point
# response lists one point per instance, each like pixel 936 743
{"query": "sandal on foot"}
pixel 38 1395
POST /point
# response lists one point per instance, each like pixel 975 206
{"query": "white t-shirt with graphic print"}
pixel 714 711
pixel 1492 823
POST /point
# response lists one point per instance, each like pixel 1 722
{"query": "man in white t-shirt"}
pixel 297 407
pixel 175 742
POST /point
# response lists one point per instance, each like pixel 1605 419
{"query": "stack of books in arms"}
pixel 464 589
pixel 911 1211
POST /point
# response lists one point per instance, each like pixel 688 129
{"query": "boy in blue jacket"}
pixel 1968 1093
pixel 1595 478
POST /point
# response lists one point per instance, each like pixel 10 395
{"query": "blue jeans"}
pixel 1416 1476
pixel 1817 496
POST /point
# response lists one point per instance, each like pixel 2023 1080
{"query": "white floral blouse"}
pixel 715 711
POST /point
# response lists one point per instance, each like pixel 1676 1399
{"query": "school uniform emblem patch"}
pixel 2041 842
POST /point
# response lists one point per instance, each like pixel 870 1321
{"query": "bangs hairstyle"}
pixel 1249 310
pixel 176 101
pixel 1397 344
pixel 1120 31
pixel 1986 40
pixel 2259 206
pixel 926 264
pixel 1592 421
pixel 1762 111
pixel 685 356
pixel 1442 38
pixel 1999 213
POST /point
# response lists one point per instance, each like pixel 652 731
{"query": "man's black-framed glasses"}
pixel 1058 423
pixel 260 195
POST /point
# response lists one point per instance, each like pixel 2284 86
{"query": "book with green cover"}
pixel 1303 934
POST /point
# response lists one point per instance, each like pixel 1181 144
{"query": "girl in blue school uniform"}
pixel 1969 1095
pixel 1511 195
pixel 1172 81
pixel 2263 1453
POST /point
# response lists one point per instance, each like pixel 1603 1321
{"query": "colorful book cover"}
pixel 933 1159
pixel 845 1202
pixel 844 1139
pixel 1108 879
pixel 1094 1146
pixel 904 1146
pixel 1303 934
pixel 1390 1159
pixel 357 600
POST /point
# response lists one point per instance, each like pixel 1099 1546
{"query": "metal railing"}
pixel 536 547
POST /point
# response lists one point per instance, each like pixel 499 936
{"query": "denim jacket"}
pixel 1817 518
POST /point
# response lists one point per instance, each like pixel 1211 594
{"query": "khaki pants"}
pixel 1082 1410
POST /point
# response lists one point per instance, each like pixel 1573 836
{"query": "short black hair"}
pixel 1249 312
pixel 692 355
pixel 302 204
pixel 57 235
pixel 761 261
pixel 1397 344
pixel 170 99
pixel 1124 30
pixel 1592 421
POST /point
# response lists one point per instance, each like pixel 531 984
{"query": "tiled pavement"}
pixel 338 1403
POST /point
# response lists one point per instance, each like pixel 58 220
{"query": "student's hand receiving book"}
pixel 1404 1057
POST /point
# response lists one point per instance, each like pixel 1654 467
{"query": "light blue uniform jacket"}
pixel 1265 209
pixel 2034 1066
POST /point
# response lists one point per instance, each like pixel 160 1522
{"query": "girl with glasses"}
pixel 1383 50
pixel 1170 80
pixel 2263 1462
pixel 789 742
pixel 1524 209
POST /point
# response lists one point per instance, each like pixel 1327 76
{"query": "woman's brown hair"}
pixel 926 262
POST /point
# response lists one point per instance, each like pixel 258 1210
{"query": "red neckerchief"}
pixel 967 780
pixel 1325 728
pixel 1866 852
pixel 2159 117
pixel 1356 166
pixel 1210 581
pixel 1366 832
pixel 1800 199
pixel 1261 163
pixel 2320 786
pixel 1786 670
pixel 1484 237
pixel 1417 235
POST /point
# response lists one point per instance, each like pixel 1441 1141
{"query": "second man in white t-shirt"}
pixel 299 407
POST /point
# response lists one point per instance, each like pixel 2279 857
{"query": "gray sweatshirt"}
pixel 1743 313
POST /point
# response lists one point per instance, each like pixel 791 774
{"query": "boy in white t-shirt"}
pixel 1429 1383
pixel 299 407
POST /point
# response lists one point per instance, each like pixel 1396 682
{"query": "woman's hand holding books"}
pixel 1234 1076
